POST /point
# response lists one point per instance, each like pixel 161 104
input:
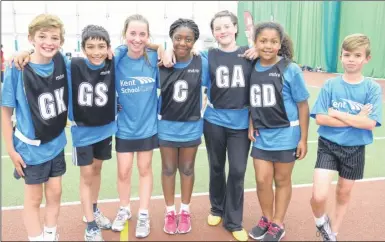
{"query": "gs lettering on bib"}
pixel 181 92
pixel 93 93
pixel 48 100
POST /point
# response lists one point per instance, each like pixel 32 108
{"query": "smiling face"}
pixel 183 41
pixel 137 35
pixel 96 50
pixel 46 41
pixel 224 30
pixel 268 43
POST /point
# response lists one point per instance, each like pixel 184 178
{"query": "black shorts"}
pixel 175 144
pixel 135 145
pixel 274 155
pixel 38 174
pixel 84 155
pixel 349 161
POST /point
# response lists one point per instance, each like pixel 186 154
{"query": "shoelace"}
pixel 94 231
pixel 121 214
pixel 263 224
pixel 142 222
pixel 184 217
pixel 322 230
pixel 273 230
pixel 170 217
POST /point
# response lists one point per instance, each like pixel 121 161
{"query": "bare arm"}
pixel 326 120
pixel 360 121
pixel 7 128
pixel 152 46
pixel 303 110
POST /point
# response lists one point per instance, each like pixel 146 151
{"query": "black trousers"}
pixel 227 197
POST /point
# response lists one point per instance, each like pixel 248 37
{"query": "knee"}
pixel 35 200
pixel 97 169
pixel 187 168
pixel 264 182
pixel 343 194
pixel 54 195
pixel 237 173
pixel 282 180
pixel 124 174
pixel 87 178
pixel 318 197
pixel 169 170
pixel 145 170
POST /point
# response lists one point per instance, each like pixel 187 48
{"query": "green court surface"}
pixel 12 190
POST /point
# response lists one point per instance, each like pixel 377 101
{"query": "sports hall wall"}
pixel 317 29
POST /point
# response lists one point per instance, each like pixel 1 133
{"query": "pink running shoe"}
pixel 184 223
pixel 170 226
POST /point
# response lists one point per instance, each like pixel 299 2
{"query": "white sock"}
pixel 320 221
pixel 37 238
pixel 335 234
pixel 49 233
pixel 185 207
pixel 126 207
pixel 143 213
pixel 170 208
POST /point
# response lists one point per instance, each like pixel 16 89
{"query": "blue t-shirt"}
pixel 82 135
pixel 294 91
pixel 350 98
pixel 14 97
pixel 229 118
pixel 183 131
pixel 136 84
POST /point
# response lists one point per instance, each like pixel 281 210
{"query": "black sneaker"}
pixel 275 233
pixel 325 230
pixel 260 230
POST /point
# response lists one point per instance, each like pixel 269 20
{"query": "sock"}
pixel 185 207
pixel 170 208
pixel 95 206
pixel 126 207
pixel 37 238
pixel 143 213
pixel 49 233
pixel 320 221
pixel 335 234
pixel 91 225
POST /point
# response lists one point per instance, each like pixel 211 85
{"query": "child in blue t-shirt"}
pixel 347 110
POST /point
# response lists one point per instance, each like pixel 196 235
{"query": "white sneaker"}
pixel 121 218
pixel 142 227
pixel 51 237
pixel 94 234
pixel 102 221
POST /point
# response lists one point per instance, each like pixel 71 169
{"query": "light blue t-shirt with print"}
pixel 348 98
pixel 294 91
pixel 13 96
pixel 136 85
pixel 183 131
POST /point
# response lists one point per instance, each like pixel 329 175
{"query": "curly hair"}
pixel 287 49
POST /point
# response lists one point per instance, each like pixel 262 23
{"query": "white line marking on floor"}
pixel 178 195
